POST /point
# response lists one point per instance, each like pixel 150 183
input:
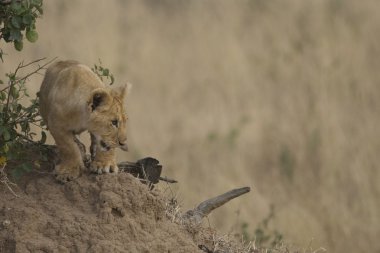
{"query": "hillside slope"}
pixel 105 213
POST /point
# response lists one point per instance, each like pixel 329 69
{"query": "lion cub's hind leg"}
pixel 71 165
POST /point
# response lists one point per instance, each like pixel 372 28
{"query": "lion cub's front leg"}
pixel 104 162
pixel 71 164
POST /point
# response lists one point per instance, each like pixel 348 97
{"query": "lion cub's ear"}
pixel 123 90
pixel 99 97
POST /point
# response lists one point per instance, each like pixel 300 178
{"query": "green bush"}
pixel 16 119
pixel 18 19
pixel 103 72
pixel 263 236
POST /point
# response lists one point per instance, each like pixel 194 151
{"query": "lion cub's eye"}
pixel 115 122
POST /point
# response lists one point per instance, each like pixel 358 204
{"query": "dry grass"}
pixel 4 181
pixel 211 241
pixel 207 238
pixel 280 96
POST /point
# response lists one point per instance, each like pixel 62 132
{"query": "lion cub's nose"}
pixel 123 145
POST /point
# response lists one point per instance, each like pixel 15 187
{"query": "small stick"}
pixel 165 179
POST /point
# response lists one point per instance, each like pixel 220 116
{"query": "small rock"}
pixel 6 223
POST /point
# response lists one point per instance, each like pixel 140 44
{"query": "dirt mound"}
pixel 95 213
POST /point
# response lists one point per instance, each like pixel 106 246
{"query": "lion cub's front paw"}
pixel 100 167
pixel 67 173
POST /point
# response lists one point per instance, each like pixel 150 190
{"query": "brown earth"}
pixel 95 213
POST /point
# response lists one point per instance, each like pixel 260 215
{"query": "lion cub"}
pixel 73 99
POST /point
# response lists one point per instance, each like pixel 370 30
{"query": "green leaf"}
pixel 11 76
pixel 16 7
pixel 27 167
pixel 3 96
pixel 27 19
pixel 6 134
pixel 106 72
pixel 6 148
pixel 14 106
pixel 6 33
pixel 36 2
pixel 19 108
pixel 18 45
pixel 25 4
pixel 40 10
pixel 24 126
pixel 16 22
pixel 21 170
pixel 15 35
pixel 32 35
pixel 14 92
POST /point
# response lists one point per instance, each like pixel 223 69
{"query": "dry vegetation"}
pixel 279 95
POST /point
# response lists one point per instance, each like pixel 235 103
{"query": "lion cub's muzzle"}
pixel 105 147
pixel 123 145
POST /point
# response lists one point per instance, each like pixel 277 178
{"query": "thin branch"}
pixel 32 62
pixel 8 96
pixel 35 71
pixel 31 119
pixel 165 179
pixel 22 65
pixel 5 88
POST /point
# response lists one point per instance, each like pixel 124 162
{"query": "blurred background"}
pixel 282 96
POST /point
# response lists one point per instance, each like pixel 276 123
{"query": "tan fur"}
pixel 73 99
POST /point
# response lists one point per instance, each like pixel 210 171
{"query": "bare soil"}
pixel 95 213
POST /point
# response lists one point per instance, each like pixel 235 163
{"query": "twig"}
pixel 6 87
pixel 35 71
pixel 22 65
pixel 4 180
pixel 30 63
pixel 25 138
pixel 206 207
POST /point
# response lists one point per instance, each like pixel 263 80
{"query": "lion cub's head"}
pixel 108 118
